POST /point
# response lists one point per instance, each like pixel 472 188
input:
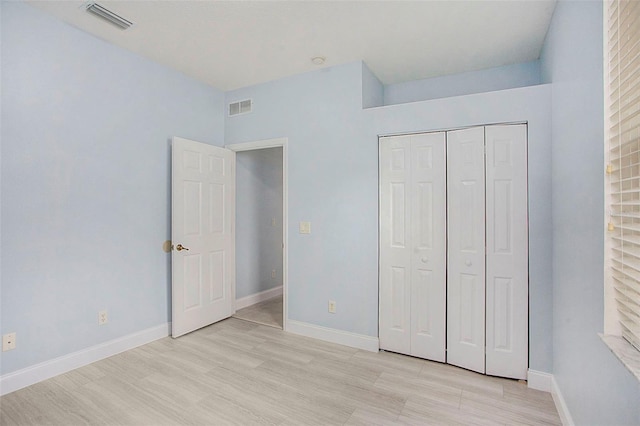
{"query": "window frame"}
pixel 621 347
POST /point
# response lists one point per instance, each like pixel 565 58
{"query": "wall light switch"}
pixel 273 221
pixel 103 317
pixel 305 227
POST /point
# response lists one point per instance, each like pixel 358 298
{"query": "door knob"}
pixel 180 247
pixel 425 260
pixel 468 263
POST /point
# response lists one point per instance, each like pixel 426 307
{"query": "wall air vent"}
pixel 240 107
pixel 104 13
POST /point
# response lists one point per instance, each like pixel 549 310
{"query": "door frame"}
pixel 276 143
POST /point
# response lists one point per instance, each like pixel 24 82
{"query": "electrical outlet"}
pixel 8 341
pixel 332 306
pixel 273 274
pixel 103 318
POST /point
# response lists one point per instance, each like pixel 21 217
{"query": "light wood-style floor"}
pixel 268 312
pixel 237 372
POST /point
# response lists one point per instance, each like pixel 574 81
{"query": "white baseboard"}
pixel 547 383
pixel 561 405
pixel 252 299
pixel 359 341
pixel 539 380
pixel 45 370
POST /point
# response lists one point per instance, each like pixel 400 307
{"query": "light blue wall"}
pixel 372 89
pixel 85 184
pixel 499 78
pixel 258 201
pixel 333 160
pixel 595 385
pixel 332 177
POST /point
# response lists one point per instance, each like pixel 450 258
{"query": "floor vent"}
pixel 240 107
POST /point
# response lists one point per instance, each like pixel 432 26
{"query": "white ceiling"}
pixel 232 44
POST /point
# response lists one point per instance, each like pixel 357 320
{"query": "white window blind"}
pixel 624 161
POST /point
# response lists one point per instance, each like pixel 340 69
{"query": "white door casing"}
pixel 413 245
pixel 202 221
pixel 466 249
pixel 276 143
pixel 507 251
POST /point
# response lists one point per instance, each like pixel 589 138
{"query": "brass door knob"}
pixel 180 247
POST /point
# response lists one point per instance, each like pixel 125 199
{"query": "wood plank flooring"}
pixel 268 312
pixel 241 373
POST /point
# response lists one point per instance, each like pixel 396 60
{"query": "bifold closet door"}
pixel 413 245
pixel 466 249
pixel 507 251
pixel 487 300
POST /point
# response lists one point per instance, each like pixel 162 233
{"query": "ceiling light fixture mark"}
pixel 318 60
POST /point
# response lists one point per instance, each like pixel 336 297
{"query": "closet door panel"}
pixel 507 251
pixel 395 244
pixel 428 230
pixel 466 249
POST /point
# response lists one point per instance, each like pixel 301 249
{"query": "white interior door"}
pixel 507 251
pixel 202 232
pixel 428 246
pixel 466 249
pixel 395 244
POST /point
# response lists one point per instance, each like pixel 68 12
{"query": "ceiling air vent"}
pixel 240 107
pixel 109 16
